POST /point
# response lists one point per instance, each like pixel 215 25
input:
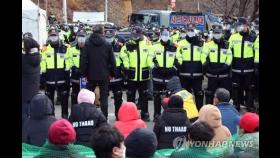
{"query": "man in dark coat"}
pixel 97 65
pixel 173 123
pixel 30 80
pixel 35 129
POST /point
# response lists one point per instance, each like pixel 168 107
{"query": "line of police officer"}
pixel 182 53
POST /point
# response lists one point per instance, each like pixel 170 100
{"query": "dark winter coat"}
pixel 35 129
pixel 172 123
pixel 30 81
pixel 86 118
pixel 97 59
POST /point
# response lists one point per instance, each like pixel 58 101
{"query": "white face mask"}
pixel 257 32
pixel 81 40
pixel 110 40
pixel 240 28
pixel 124 150
pixel 183 35
pixel 76 29
pixel 210 36
pixel 164 38
pixel 53 38
pixel 191 34
pixel 227 27
pixel 217 36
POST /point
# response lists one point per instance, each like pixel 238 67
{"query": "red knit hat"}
pixel 61 132
pixel 249 122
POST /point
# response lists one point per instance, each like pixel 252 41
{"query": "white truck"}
pixel 150 18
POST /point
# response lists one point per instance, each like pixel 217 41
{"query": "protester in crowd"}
pixel 98 64
pixel 129 119
pixel 30 81
pixel 199 132
pixel 212 116
pixel 249 133
pixel 61 137
pixel 230 116
pixel 174 87
pixel 85 117
pixel 35 128
pixel 108 142
pixel 141 143
pixel 172 123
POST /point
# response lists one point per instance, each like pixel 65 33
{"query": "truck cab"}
pixel 152 18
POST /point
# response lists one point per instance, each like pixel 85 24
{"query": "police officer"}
pixel 242 46
pixel 163 58
pixel 116 83
pixel 66 33
pixel 55 66
pixel 182 35
pixel 134 55
pixel 75 53
pixel 175 34
pixel 228 28
pixel 191 67
pixel 216 58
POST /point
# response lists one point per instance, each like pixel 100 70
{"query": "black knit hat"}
pixel 141 143
pixel 175 101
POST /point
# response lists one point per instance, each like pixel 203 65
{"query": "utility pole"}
pixel 198 9
pixel 47 10
pixel 38 22
pixel 65 11
pixel 106 11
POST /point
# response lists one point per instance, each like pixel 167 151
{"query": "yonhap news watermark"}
pixel 181 142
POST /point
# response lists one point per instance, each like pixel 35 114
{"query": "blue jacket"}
pixel 230 116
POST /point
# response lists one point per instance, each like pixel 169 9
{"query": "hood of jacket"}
pixel 97 39
pixel 211 115
pixel 128 111
pixel 174 116
pixel 40 107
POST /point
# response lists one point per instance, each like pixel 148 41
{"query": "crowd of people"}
pixel 130 137
pixel 167 65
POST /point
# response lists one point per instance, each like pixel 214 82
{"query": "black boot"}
pixel 145 117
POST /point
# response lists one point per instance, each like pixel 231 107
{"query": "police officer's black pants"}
pixel 63 92
pixel 157 99
pixel 142 87
pixel 75 92
pixel 104 92
pixel 194 85
pixel 116 88
pixel 240 83
pixel 215 83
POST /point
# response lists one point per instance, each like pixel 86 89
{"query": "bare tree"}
pixel 255 13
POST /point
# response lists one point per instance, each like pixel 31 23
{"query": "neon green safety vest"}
pixel 48 60
pixel 235 42
pixel 136 60
pixel 256 49
pixel 74 56
pixel 175 36
pixel 211 49
pixel 157 52
pixel 185 52
pixel 189 104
